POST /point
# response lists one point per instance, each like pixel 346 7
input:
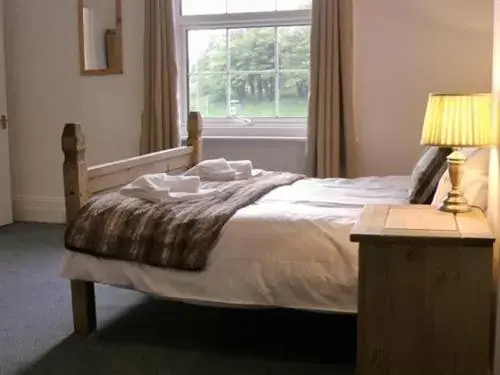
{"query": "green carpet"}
pixel 138 334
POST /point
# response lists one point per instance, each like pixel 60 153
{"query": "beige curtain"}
pixel 331 136
pixel 160 123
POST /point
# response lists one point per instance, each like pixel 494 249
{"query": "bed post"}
pixel 75 194
pixel 195 130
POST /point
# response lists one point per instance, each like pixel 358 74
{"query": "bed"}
pixel 289 249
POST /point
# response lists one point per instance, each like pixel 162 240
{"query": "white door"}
pixel 5 187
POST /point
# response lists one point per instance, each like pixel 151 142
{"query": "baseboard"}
pixel 39 209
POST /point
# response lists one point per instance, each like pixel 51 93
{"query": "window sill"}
pixel 253 137
pixel 281 131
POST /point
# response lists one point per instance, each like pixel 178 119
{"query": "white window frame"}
pixel 266 127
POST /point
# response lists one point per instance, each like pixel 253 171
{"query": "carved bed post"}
pixel 195 130
pixel 75 193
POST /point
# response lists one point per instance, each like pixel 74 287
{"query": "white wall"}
pixel 45 91
pixel 112 105
pixel 271 154
pixel 404 50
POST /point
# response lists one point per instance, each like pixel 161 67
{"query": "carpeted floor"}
pixel 142 335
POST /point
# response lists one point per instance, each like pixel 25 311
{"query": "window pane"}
pixel 294 91
pixel 293 4
pixel 253 95
pixel 207 50
pixel 294 47
pixel 252 48
pixel 196 7
pixel 208 94
pixel 241 6
pixel 199 7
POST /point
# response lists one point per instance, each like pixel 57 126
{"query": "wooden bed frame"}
pixel 81 182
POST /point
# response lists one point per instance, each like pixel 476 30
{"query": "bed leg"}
pixel 76 193
pixel 83 301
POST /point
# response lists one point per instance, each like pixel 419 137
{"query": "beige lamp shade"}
pixel 457 120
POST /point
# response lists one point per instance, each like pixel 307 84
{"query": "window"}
pixel 246 65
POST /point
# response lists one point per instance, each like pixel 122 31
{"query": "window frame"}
pixel 282 127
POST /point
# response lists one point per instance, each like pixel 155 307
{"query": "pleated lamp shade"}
pixel 457 120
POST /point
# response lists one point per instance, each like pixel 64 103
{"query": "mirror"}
pixel 100 34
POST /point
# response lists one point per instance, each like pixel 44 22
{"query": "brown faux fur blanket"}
pixel 177 235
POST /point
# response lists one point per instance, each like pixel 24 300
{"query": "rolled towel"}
pixel 160 186
pixel 213 170
pixel 243 168
pixel 228 175
pixel 183 184
pixel 218 165
pixel 175 184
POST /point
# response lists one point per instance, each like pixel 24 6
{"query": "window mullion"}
pixel 276 74
pixel 228 75
pixel 177 9
pixel 183 79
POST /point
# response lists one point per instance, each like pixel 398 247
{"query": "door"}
pixel 5 187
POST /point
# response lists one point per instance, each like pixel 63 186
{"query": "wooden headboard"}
pixel 81 181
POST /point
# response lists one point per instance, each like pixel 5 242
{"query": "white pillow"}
pixel 477 159
pixel 474 183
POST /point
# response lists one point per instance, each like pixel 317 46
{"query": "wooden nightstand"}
pixel 425 291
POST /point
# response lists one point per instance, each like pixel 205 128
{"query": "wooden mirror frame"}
pixel 118 69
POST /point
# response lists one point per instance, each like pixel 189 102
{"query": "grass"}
pixel 288 107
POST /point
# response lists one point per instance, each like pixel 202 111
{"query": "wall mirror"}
pixel 100 37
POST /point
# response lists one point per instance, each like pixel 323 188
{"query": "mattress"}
pixel 290 249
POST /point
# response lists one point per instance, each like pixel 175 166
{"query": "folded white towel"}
pixel 243 168
pixel 228 175
pixel 215 165
pixel 161 187
pixel 175 184
pixel 213 169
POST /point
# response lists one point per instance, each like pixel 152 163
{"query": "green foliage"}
pixel 252 54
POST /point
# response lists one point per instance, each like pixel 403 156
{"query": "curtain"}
pixel 160 120
pixel 331 135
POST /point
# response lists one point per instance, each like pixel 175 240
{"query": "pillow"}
pixel 474 183
pixel 426 174
pixel 477 159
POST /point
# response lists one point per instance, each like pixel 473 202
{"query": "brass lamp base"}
pixel 455 201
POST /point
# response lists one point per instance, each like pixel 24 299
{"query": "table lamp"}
pixel 456 121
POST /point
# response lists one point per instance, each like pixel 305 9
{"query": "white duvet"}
pixel 290 249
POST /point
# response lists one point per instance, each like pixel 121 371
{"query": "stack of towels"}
pixel 223 170
pixel 161 187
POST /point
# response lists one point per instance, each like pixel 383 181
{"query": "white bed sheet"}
pixel 290 249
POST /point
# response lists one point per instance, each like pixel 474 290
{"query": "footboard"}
pixel 81 182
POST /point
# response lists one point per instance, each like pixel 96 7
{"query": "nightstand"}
pixel 425 291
